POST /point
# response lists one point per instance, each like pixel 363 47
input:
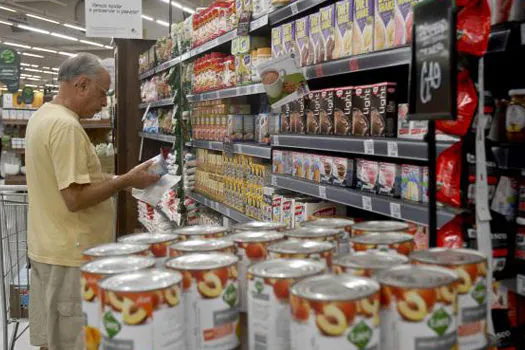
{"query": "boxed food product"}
pixel 288 162
pixel 403 124
pixel 424 185
pixel 328 29
pixel 248 128
pixel 277 162
pixel 383 110
pixel 343 110
pixel 303 43
pixel 361 103
pixel 262 128
pixel 289 44
pixel 285 119
pixel 316 37
pixel 277 41
pixel 411 182
pixel 235 127
pixel 307 166
pixel 309 208
pixel 297 120
pixel 326 169
pixel 363 29
pixel 403 19
pixel 317 168
pixel 367 174
pixel 288 211
pixel 344 20
pixel 389 179
pixel 326 115
pixel 297 160
pixel 274 123
pixel 384 28
pixel 343 171
pixel 268 193
pixel 277 201
pixel 312 110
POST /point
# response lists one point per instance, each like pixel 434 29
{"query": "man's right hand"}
pixel 139 177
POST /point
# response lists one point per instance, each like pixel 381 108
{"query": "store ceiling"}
pixel 20 25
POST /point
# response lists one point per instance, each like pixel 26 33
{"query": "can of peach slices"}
pixel 107 250
pixel 193 246
pixel 201 231
pixel 268 300
pixel 379 226
pixel 388 242
pixel 291 249
pixel 367 263
pixel 471 266
pixel 344 225
pixel 142 310
pixel 259 226
pixel 211 299
pixel 335 312
pixel 418 308
pixel 327 234
pixel 158 243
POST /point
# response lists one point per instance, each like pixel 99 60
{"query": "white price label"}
pixel 276 140
pixel 367 203
pixel 259 22
pixel 520 284
pixel 392 149
pixel 293 7
pixel 369 146
pixel 227 212
pixel 322 192
pixel 395 210
pixel 274 181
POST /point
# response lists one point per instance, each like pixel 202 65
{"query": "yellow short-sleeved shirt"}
pixel 59 153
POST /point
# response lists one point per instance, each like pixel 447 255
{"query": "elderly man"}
pixel 70 206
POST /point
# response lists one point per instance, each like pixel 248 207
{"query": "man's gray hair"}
pixel 81 64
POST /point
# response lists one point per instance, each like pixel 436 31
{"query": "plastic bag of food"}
pixel 448 175
pixel 473 28
pixel 160 165
pixel 450 235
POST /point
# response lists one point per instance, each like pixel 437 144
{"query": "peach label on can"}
pixel 201 231
pixel 211 297
pixel 335 312
pixel 418 308
pixel 388 242
pixel 367 263
pixel 115 249
pixel 471 267
pixel 268 295
pixel 379 226
pixel 158 243
pixel 291 249
pixel 142 310
pixel 202 246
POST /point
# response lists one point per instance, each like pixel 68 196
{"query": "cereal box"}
pixel 343 171
pixel 312 110
pixel 303 43
pixel 411 182
pixel 297 160
pixel 389 179
pixel 344 20
pixel 326 116
pixel 403 22
pixel 277 41
pixel 285 119
pixel 383 114
pixel 289 38
pixel 343 110
pixel 328 30
pixel 363 29
pixel 384 24
pixel 326 169
pixel 367 174
pixel 361 103
pixel 316 37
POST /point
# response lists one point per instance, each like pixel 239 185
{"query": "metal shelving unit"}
pixel 399 209
pixel 291 10
pixel 158 137
pixel 221 208
pixel 227 93
pixel 161 103
pixel 249 149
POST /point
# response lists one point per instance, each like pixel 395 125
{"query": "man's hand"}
pixel 139 177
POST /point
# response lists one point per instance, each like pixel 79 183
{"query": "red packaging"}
pixel 473 28
pixel 467 100
pixel 450 235
pixel 448 173
pixel 367 174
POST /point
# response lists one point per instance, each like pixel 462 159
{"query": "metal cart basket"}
pixel 14 264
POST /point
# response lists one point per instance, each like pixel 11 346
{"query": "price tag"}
pixel 395 210
pixel 319 70
pixel 274 181
pixel 227 212
pixel 293 7
pixel 322 192
pixel 275 140
pixel 392 149
pixel 259 22
pixel 369 146
pixel 367 203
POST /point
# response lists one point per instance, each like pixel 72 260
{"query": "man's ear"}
pixel 82 83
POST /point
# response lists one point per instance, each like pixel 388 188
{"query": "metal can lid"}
pixel 286 268
pixel 370 260
pixel 448 256
pixel 256 236
pixel 329 222
pixel 198 230
pixel 259 225
pixel 382 238
pixel 118 264
pixel 417 276
pixel 312 232
pixel 147 238
pixel 381 226
pixel 205 261
pixel 202 245
pixel 335 288
pixel 113 249
pixel 141 281
pixel 300 247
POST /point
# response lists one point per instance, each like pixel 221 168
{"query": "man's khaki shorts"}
pixel 55 309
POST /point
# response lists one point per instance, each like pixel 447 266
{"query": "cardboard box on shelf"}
pixel 307 209
pixel 343 171
pixel 313 111
pixel 361 104
pixel 384 28
pixel 326 166
pixel 383 114
pixel 316 38
pixel 303 43
pixel 343 110
pixel 344 21
pixel 389 179
pixel 367 175
pixel 363 29
pixel 326 115
pixel 328 30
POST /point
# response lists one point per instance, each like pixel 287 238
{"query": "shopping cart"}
pixel 14 264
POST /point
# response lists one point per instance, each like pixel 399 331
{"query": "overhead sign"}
pixel 114 19
pixel 433 71
pixel 9 68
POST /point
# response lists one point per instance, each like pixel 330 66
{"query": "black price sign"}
pixel 9 68
pixel 433 70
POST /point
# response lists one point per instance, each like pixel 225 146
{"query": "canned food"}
pixel 418 308
pixel 211 299
pixel 379 226
pixel 201 231
pixel 342 224
pixel 157 242
pixel 252 248
pixel 115 249
pixel 202 246
pixel 471 267
pixel 367 263
pixel 331 235
pixel 90 274
pixel 136 307
pixel 259 226
pixel 291 249
pixel 268 294
pixel 335 312
pixel 390 242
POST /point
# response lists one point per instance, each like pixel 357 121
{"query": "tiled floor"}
pixel 22 343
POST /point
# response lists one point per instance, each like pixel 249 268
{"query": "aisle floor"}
pixel 23 342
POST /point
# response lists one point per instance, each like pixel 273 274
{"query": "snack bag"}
pixel 473 28
pixel 450 235
pixel 448 175
pixel 160 165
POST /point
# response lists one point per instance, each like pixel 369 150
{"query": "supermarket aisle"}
pixel 23 342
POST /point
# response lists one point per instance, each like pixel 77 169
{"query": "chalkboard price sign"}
pixel 433 69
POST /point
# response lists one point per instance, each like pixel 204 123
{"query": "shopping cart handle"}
pixel 13 188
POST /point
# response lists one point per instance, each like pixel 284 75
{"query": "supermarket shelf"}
pixel 158 137
pixel 393 148
pixel 15 121
pixel 211 145
pixel 291 10
pixel 395 208
pixel 161 103
pixel 161 67
pixel 374 60
pixel 17 150
pixel 227 93
pixel 509 157
pixel 221 208
pixel 15 180
pixel 87 124
pixel 249 149
pixel 516 285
